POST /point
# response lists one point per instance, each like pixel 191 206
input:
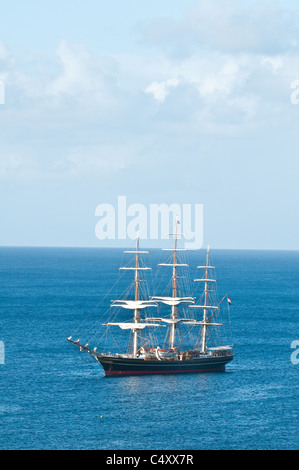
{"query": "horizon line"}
pixel 145 247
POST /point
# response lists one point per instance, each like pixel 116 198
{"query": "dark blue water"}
pixel 54 397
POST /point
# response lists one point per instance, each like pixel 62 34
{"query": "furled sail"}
pixel 134 304
pixel 132 326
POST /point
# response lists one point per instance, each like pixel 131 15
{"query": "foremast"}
pixel 137 304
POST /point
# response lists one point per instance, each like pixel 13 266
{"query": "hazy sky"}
pixel 167 101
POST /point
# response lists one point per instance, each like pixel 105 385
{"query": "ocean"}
pixel 55 397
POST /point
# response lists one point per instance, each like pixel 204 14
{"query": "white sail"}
pixel 174 300
pixel 165 320
pixel 135 269
pixel 203 306
pixel 134 304
pixel 206 267
pixel 172 249
pixel 184 321
pixel 173 264
pixel 132 326
pixel 134 251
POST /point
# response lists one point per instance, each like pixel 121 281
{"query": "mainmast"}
pixel 137 310
pixel 174 300
pixel 174 309
pixel 205 310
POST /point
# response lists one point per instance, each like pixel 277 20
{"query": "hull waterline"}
pixel 114 367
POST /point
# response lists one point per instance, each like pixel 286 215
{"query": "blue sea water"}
pixel 55 397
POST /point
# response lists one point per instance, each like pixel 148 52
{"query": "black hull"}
pixel 118 366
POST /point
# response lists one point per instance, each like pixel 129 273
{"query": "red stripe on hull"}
pixel 116 372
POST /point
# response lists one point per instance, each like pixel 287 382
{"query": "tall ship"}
pixel 186 333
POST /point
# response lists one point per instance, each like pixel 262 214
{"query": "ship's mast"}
pixel 137 304
pixel 206 321
pixel 175 299
pixel 174 309
pixel 136 311
pixel 205 310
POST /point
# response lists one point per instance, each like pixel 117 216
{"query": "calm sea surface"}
pixel 52 396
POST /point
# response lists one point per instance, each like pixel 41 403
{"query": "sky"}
pixel 174 102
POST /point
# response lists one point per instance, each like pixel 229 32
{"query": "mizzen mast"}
pixel 206 320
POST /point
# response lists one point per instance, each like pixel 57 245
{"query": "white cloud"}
pixel 85 78
pixel 78 112
pixel 74 77
pixel 9 164
pixel 161 89
pixel 4 53
pixel 276 63
pixel 228 26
